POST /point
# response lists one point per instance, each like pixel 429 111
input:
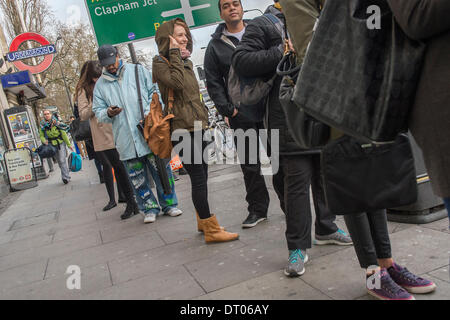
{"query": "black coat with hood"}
pixel 258 55
pixel 217 67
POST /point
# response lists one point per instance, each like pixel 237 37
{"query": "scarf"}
pixel 45 125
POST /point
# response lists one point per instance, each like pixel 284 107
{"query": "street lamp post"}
pixel 64 78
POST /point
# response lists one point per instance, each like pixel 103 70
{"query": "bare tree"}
pixel 75 48
pixel 36 13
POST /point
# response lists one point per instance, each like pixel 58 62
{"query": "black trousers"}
pixel 370 235
pixel 257 195
pixel 111 159
pixel 292 184
pixel 198 173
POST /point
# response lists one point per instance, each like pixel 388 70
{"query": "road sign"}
pixel 48 50
pixel 124 21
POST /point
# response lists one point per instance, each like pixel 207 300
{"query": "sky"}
pixel 72 11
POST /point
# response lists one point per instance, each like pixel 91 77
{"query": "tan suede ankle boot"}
pixel 200 224
pixel 214 233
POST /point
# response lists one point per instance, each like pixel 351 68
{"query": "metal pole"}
pixel 132 53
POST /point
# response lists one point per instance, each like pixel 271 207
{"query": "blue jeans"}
pixel 138 170
pixel 447 205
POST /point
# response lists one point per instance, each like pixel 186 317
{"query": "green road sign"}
pixel 121 21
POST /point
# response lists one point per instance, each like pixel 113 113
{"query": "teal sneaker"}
pixel 296 264
pixel 340 237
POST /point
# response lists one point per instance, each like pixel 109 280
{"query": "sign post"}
pixel 124 21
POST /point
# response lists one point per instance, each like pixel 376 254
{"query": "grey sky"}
pixel 72 10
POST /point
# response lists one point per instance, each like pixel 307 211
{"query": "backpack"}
pixel 75 162
pixel 249 95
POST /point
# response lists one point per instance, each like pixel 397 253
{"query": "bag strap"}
pixel 279 25
pixel 138 86
pixel 171 93
pixel 281 28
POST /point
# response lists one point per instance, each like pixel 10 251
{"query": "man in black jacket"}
pixel 258 55
pixel 217 65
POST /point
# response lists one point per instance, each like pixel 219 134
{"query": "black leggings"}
pixel 111 159
pixel 198 173
pixel 370 235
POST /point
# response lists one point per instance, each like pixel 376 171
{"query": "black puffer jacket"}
pixel 258 55
pixel 217 67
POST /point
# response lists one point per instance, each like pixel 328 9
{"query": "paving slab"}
pixel 170 284
pixel 75 231
pixel 272 286
pixel 35 220
pixel 81 207
pixel 337 275
pixel 92 279
pixel 228 269
pixel 22 275
pixel 76 218
pixel 33 231
pixel 103 253
pixel 440 225
pixel 442 274
pixel 155 260
pixel 23 245
pixel 420 249
pixel 49 251
pixel 5 238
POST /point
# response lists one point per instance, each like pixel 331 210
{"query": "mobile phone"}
pixel 114 107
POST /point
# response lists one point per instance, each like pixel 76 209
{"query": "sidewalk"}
pixel 54 226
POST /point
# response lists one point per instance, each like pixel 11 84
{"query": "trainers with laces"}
pixel 150 218
pixel 174 212
pixel 387 289
pixel 296 264
pixel 410 281
pixel 252 220
pixel 340 238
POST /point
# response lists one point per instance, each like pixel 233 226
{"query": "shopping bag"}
pixel 360 177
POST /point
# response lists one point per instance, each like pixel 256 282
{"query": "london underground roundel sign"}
pixel 47 50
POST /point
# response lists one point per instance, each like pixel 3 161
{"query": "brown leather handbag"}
pixel 156 127
pixel 157 131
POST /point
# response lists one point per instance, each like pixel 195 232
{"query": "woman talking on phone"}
pixel 175 76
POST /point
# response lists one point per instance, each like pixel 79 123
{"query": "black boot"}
pixel 110 205
pixel 131 210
